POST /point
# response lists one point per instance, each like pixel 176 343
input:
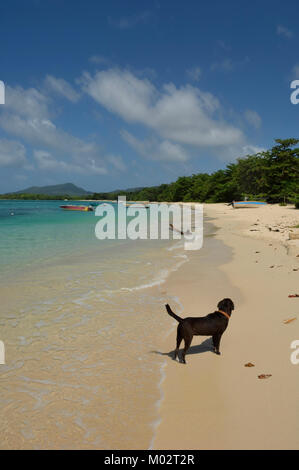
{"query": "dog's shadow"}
pixel 205 346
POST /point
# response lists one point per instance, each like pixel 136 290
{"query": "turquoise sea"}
pixel 79 322
pixel 32 232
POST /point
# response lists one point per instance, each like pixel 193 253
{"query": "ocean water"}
pixel 82 321
pixel 32 232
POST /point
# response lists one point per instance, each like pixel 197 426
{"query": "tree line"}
pixel 271 175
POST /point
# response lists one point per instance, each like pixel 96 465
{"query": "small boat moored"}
pixel 137 205
pixel 77 208
pixel 243 204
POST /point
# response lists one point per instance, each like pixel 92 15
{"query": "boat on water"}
pixel 243 204
pixel 77 208
pixel 137 205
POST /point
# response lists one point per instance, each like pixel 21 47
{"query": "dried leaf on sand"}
pixel 289 320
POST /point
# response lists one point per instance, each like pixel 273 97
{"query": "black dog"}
pixel 213 325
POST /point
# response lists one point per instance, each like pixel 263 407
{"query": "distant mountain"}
pixel 67 189
pixel 58 189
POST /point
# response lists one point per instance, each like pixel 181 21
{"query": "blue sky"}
pixel 132 93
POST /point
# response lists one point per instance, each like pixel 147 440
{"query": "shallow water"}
pixel 79 321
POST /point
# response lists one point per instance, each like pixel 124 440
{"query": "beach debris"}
pixel 174 229
pixel 264 376
pixel 249 364
pixel 273 266
pixel 295 269
pixel 253 230
pixel 289 320
pixel 293 295
pixel 257 252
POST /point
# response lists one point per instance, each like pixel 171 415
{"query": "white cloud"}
pixel 62 87
pixel 30 103
pixel 27 116
pixel 12 153
pixel 46 161
pixel 251 150
pixel 152 149
pixel 253 118
pixel 232 152
pixel 44 132
pixel 122 93
pixel 283 31
pixel 185 115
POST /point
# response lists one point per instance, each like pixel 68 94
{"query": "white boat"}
pixel 243 204
pixel 137 205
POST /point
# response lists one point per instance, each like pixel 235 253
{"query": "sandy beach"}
pixel 89 343
pixel 215 402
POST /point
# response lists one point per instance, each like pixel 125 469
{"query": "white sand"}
pixel 214 402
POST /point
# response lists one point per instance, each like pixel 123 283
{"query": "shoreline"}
pixel 182 285
pixel 193 284
pixel 215 402
pixel 79 369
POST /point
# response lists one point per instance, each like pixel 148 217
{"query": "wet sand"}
pixel 80 369
pixel 214 402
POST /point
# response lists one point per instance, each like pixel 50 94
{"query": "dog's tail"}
pixel 172 314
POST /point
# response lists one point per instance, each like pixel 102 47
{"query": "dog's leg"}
pixel 216 343
pixel 188 340
pixel 179 338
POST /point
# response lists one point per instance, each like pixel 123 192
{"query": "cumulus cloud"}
pixel 251 150
pixel 12 153
pixel 185 115
pixel 46 161
pixel 154 150
pixel 27 115
pixel 253 118
pixel 62 87
pixel 30 103
pixel 232 152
